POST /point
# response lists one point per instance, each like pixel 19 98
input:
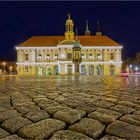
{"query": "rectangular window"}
pixel 26 57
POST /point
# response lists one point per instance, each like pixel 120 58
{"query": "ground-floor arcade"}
pixel 69 68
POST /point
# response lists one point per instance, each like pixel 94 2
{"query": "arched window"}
pixel 99 70
pixel 91 70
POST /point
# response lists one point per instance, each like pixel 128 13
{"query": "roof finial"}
pixel 98 33
pixel 87 32
pixel 98 26
pixel 76 33
pixel 69 15
pixel 86 24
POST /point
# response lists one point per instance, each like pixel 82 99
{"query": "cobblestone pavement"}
pixel 69 108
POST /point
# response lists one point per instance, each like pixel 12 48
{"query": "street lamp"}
pixel 10 68
pixel 130 66
pixel 136 68
pixel 4 64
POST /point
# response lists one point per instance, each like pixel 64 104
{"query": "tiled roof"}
pixel 46 41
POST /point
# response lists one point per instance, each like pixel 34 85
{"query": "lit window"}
pixel 69 55
pixel 56 56
pixel 111 56
pixel 39 56
pixel 26 57
pixel 48 56
pixel 62 55
pixel 99 57
pixel 83 56
pixel 90 56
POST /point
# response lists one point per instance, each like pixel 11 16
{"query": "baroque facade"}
pixel 69 54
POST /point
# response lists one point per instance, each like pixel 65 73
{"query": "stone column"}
pixel 95 69
pixel 86 55
pixel 73 68
pixel 66 69
pixel 95 55
pixel 51 57
pixel 108 55
pixel 102 54
pixel 117 55
pixel 120 55
pixel 59 68
pixel 105 55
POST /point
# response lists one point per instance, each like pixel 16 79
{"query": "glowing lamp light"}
pixel 136 68
pixel 4 63
pixel 10 68
pixel 130 66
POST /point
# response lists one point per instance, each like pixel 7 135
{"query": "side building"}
pixel 69 54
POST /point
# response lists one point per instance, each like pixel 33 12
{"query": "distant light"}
pixel 136 68
pixel 4 63
pixel 10 67
pixel 130 66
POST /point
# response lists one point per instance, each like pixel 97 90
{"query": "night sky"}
pixel 21 20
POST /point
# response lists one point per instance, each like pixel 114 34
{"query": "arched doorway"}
pixel 112 70
pixel 83 70
pixel 48 70
pixel 40 71
pixel 99 70
pixel 69 69
pixel 56 70
pixel 91 70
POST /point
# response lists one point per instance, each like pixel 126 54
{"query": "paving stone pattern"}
pixel 69 108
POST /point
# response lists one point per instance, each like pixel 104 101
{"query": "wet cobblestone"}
pixel 69 107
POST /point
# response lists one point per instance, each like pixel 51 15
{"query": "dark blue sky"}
pixel 21 20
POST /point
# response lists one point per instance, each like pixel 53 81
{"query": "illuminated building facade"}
pixel 69 54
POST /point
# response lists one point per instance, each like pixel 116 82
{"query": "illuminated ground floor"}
pixel 68 68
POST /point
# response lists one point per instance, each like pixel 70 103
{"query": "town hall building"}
pixel 69 54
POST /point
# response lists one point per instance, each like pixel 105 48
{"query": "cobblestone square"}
pixel 69 108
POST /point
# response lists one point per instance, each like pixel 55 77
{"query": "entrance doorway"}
pixel 48 70
pixel 83 70
pixel 99 70
pixel 56 70
pixel 40 71
pixel 69 69
pixel 112 70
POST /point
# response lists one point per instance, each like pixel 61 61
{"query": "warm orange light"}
pixel 10 67
pixel 4 63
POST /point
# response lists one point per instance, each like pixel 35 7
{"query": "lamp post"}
pixel 10 68
pixel 4 64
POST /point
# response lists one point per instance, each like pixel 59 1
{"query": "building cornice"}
pixel 118 62
pixel 67 46
pixel 44 63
